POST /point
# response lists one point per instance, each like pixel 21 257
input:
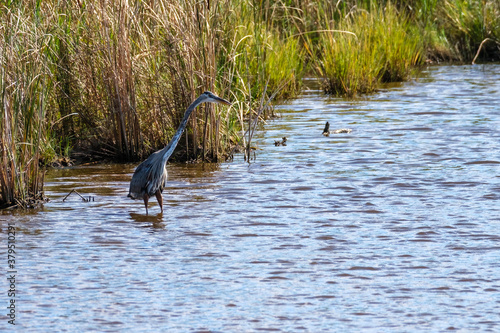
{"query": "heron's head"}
pixel 210 97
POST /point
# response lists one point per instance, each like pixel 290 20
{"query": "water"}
pixel 394 227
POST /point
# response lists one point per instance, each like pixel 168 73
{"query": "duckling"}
pixel 327 132
pixel 281 142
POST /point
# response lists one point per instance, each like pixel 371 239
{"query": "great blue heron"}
pixel 151 175
pixel 327 132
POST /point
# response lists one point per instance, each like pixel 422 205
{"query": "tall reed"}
pixel 25 85
pixel 132 68
pixel 191 45
pixel 94 68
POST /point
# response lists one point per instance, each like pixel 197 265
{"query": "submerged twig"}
pixel 91 198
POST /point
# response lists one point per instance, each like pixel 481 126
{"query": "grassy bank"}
pixel 460 30
pixel 367 47
pixel 111 79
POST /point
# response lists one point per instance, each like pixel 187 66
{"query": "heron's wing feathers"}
pixel 147 177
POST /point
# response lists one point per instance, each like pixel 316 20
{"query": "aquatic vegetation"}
pixel 134 66
pixel 366 48
pixel 467 23
pixel 455 29
pixel 25 85
pixel 126 69
pixel 268 58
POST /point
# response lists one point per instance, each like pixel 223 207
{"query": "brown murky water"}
pixel 394 227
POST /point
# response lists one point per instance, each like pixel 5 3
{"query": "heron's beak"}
pixel 222 101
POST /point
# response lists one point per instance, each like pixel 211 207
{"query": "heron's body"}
pixel 154 172
pixel 151 175
pixel 327 132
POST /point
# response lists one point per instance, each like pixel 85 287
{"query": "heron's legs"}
pixel 160 199
pixel 146 198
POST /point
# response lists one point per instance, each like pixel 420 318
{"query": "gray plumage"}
pixel 151 175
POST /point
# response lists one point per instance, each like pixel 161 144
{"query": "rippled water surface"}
pixel 393 227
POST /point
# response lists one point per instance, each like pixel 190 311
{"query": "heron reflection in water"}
pixel 151 175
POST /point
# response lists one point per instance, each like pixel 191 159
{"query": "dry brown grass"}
pixel 25 80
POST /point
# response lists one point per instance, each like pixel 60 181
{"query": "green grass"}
pixel 468 23
pixel 367 48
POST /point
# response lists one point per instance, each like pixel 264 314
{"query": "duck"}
pixel 327 132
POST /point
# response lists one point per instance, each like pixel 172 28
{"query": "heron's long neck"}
pixel 169 149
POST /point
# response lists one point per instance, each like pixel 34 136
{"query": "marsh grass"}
pixel 367 47
pixel 455 29
pixel 25 84
pixel 470 22
pixel 129 70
